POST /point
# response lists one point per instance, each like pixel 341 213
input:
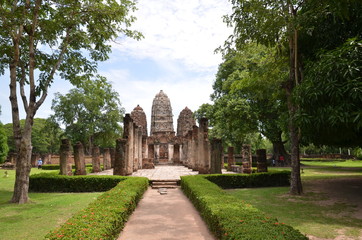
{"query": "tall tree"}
pixel 280 23
pixel 254 74
pixel 91 113
pixel 40 38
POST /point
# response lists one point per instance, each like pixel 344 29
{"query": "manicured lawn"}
pixel 313 213
pixel 45 212
pixel 346 163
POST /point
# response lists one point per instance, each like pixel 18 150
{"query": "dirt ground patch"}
pixel 339 190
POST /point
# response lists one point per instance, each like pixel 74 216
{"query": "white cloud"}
pixel 186 30
pixel 180 37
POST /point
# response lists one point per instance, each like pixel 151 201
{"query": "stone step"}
pixel 165 183
pixel 164 186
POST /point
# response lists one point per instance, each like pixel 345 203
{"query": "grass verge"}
pixel 45 212
pixel 314 213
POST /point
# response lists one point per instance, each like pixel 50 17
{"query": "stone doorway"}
pixel 163 153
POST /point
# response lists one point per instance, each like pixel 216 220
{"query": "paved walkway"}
pixel 161 172
pixel 165 217
pixel 165 172
pixel 168 216
pixel 158 173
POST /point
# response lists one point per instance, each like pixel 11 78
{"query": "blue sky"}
pixel 176 55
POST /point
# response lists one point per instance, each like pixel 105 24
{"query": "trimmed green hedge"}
pixel 105 217
pixel 57 166
pixel 230 218
pixel 267 179
pixel 52 182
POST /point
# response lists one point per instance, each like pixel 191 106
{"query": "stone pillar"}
pixel 157 152
pixel 203 147
pixel 96 163
pixel 151 152
pixel 106 159
pixel 120 165
pixel 194 149
pixel 64 158
pixel 176 154
pixel 34 159
pixel 129 135
pixel 246 158
pixel 140 147
pixel 231 159
pixel 170 152
pixel 261 160
pixel 79 159
pixel 144 147
pixel 216 156
pixel 135 148
pixel 112 151
pixel 47 158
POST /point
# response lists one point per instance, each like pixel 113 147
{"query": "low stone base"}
pixel 147 163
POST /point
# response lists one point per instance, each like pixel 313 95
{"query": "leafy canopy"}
pixel 91 113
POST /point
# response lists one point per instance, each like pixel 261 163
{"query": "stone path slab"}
pixel 165 172
pixel 165 217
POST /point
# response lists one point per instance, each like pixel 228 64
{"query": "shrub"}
pixel 268 179
pixel 57 166
pixel 52 182
pixel 105 217
pixel 230 218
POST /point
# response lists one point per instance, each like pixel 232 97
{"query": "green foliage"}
pixel 88 167
pixel 268 179
pixel 105 217
pixel 45 136
pixel 247 97
pixel 230 218
pixel 52 182
pixel 91 113
pixel 331 96
pixel 4 149
pixel 357 152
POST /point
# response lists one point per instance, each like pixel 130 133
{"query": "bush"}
pixel 105 217
pixel 57 166
pixel 268 179
pixel 52 182
pixel 230 218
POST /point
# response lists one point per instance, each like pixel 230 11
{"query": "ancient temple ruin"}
pixel 190 147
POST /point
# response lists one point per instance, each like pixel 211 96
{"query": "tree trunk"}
pixel 279 150
pixel 295 181
pixel 23 165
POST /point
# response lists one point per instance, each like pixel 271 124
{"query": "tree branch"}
pixel 22 84
pixel 55 67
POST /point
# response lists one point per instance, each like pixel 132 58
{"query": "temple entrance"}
pixel 163 152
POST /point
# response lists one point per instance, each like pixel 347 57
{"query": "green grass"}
pixel 346 163
pixel 311 213
pixel 45 212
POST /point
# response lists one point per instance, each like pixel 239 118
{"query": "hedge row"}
pixel 52 182
pixel 57 166
pixel 268 179
pixel 230 218
pixel 105 217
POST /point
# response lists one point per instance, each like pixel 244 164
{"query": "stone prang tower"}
pixel 161 116
pixel 185 122
pixel 139 118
